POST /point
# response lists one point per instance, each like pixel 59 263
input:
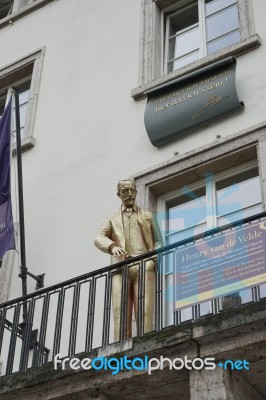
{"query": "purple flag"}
pixel 7 241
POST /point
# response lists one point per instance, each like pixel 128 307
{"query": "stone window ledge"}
pixel 235 50
pixel 26 144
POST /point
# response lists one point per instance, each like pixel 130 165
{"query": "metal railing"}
pixel 75 316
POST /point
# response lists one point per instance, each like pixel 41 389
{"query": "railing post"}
pixel 13 340
pixel 2 326
pixel 124 303
pixel 58 323
pixel 90 317
pixel 74 321
pixel 107 309
pixel 140 317
pixel 26 336
pixel 158 292
pixel 39 351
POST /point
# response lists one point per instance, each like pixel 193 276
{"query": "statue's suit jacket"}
pixel 112 232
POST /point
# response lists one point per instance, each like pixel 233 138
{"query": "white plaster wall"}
pixel 89 131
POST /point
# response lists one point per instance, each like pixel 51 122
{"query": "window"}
pixel 25 76
pixel 217 200
pixel 181 36
pixel 11 10
pixel 8 7
pixel 5 8
pixel 24 91
pixel 199 29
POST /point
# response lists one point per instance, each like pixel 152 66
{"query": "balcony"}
pixel 74 319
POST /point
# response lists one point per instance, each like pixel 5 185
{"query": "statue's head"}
pixel 127 192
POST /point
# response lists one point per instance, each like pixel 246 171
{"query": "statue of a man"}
pixel 128 233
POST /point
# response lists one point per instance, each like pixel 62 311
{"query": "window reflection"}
pixel 184 43
pixel 238 196
pixel 212 6
pixel 223 42
pixel 186 214
pixel 221 23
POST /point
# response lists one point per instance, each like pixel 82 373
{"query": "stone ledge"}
pixel 235 50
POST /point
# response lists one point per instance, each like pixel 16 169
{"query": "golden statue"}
pixel 128 233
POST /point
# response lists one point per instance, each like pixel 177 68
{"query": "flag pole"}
pixel 23 267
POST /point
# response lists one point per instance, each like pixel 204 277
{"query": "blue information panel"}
pixel 216 266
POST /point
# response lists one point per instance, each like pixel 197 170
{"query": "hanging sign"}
pixel 191 102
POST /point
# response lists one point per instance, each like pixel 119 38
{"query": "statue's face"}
pixel 127 193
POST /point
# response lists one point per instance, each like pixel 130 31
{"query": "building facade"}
pixel 83 94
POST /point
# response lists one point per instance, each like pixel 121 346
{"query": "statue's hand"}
pixel 118 251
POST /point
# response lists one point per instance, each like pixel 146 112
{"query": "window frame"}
pixel 211 223
pixel 6 269
pixel 15 73
pixel 168 13
pixel 9 92
pixel 151 61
